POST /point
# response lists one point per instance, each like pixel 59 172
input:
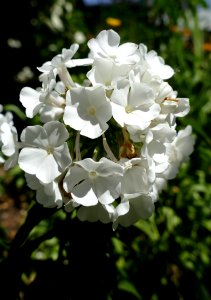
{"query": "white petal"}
pixel 141 207
pixel 94 213
pixel 31 158
pixel 34 136
pixel 48 170
pixel 62 156
pixel 93 131
pixel 108 167
pixel 56 133
pixel 127 49
pixel 30 100
pixel 72 118
pixel 38 162
pixel 75 175
pixel 88 164
pixel 83 194
pixel 119 114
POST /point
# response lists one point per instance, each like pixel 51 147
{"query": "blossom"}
pixel 106 73
pixel 137 177
pixel 8 140
pixel 155 63
pixel 179 151
pixel 45 153
pixel 134 104
pixel 107 146
pixel 10 146
pixel 137 207
pixel 88 110
pixel 107 45
pixel 65 59
pixel 30 99
pixel 90 182
pixel 47 194
pixel 155 146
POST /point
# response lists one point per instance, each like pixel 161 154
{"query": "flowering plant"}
pixel 107 147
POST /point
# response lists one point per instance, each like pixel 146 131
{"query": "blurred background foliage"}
pixel 53 255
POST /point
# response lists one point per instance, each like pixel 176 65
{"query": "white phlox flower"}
pixel 45 153
pixel 155 146
pixel 134 105
pixel 53 103
pixel 179 151
pixel 132 209
pixel 137 177
pixel 10 145
pixel 47 194
pixel 30 99
pixel 8 140
pixel 107 146
pixel 88 111
pixel 90 182
pixel 61 62
pixel 106 73
pixel 155 64
pixel 107 45
pixel 48 101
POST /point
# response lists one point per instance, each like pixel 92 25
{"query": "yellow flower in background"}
pixel 114 22
pixel 207 47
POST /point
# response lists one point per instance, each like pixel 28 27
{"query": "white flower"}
pixel 107 45
pixel 134 105
pixel 10 146
pixel 155 146
pixel 179 151
pixel 90 182
pixel 30 99
pixel 53 103
pixel 132 209
pixel 48 194
pixel 48 101
pixel 179 107
pixel 65 59
pixel 124 99
pixel 8 140
pixel 7 117
pixel 45 153
pixel 60 63
pixel 137 178
pixel 155 64
pixel 107 73
pixel 88 110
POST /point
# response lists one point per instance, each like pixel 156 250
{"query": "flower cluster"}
pixel 105 147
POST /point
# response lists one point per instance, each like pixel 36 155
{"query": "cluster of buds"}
pixel 105 147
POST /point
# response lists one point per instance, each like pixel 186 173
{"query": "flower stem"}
pixel 77 146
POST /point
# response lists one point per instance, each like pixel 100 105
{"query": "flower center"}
pixel 50 150
pixel 92 174
pixel 128 109
pixel 91 111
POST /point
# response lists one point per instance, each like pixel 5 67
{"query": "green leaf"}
pixel 129 287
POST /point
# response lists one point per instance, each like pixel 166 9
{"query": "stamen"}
pixel 170 99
